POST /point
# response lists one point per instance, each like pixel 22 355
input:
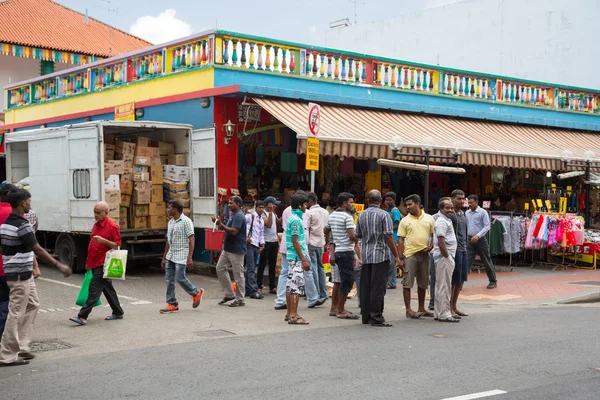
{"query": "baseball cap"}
pixel 272 200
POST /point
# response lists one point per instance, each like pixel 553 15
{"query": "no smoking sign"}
pixel 314 118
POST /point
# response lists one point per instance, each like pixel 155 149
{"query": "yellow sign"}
pixel 312 154
pixel 539 203
pixel 526 206
pixel 548 205
pixel 125 112
pixel 534 206
pixel 562 208
pixel 359 208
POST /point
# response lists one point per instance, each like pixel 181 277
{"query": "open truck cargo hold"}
pixel 71 168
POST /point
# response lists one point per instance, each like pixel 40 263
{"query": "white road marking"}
pixel 479 395
pixel 141 302
pixel 79 287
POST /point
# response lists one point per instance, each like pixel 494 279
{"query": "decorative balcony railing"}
pixel 221 49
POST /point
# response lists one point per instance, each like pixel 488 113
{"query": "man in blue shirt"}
pixel 478 224
pixel 390 207
pixel 234 250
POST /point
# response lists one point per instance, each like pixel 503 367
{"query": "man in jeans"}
pixel 234 250
pixel 255 244
pixel 269 255
pixel 178 257
pixel 316 220
pixel 478 224
pixel 341 227
pixel 390 207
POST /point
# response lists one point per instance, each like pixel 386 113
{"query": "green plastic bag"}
pixel 85 290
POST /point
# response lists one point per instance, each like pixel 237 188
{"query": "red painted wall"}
pixel 227 154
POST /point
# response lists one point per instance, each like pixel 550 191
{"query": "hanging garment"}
pixel 581 199
pixel 538 227
pixel 347 166
pixel 496 239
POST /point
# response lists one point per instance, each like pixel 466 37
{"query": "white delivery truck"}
pixel 65 167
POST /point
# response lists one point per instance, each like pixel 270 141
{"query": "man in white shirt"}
pixel 444 252
pixel 269 254
pixel 316 220
pixel 255 244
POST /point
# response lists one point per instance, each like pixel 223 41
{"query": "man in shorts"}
pixel 341 226
pixel 461 271
pixel 416 241
pixel 298 261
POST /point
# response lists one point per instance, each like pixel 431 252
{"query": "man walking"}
pixel 390 207
pixel 316 220
pixel 416 241
pixel 234 250
pixel 297 259
pixel 105 236
pixel 178 257
pixel 18 247
pixel 461 269
pixel 374 228
pixel 343 239
pixel 444 251
pixel 478 225
pixel 255 245
pixel 269 254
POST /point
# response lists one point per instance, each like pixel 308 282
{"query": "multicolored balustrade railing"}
pixel 257 56
pixel 460 85
pixel 406 77
pixel 109 76
pixel 75 83
pixel 145 66
pixel 190 55
pixel 333 67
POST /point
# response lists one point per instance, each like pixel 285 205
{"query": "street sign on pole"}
pixel 312 143
pixel 314 119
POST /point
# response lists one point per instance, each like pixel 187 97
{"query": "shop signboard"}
pixel 125 112
pixel 312 143
pixel 312 154
pixel 584 255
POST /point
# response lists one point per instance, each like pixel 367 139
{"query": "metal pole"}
pixel 426 197
pixel 588 197
pixel 312 181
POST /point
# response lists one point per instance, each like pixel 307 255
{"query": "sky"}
pixel 160 21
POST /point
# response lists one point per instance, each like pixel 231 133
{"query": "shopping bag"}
pixel 114 264
pixel 85 290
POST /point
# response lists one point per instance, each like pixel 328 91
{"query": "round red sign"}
pixel 314 119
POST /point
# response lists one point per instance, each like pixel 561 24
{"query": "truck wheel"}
pixel 66 250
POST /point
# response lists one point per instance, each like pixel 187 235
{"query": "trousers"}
pixel 373 278
pixel 444 267
pixel 268 256
pixel 99 285
pixel 482 248
pixel 236 262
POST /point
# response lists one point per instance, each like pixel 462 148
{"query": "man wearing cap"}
pixel 269 254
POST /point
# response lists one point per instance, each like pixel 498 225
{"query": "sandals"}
pixel 449 319
pixel 78 321
pixel 298 321
pixel 348 315
pixel 113 317
pixel 461 314
pixel 415 316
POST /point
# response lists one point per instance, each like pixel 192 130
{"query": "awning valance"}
pixel 366 133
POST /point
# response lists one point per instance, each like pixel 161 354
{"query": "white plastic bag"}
pixel 115 264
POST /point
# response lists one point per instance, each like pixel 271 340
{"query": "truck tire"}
pixel 69 253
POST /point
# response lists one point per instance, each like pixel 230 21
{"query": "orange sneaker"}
pixel 197 299
pixel 170 308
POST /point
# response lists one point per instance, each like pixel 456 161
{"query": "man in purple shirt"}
pixel 255 244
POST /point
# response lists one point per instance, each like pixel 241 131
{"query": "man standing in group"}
pixel 234 250
pixel 18 247
pixel 390 207
pixel 105 236
pixel 343 239
pixel 416 241
pixel 461 269
pixel 444 251
pixel 297 259
pixel 374 228
pixel 312 295
pixel 316 220
pixel 255 245
pixel 269 254
pixel 178 257
pixel 478 225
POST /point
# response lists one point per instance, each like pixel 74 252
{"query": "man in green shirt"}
pixel 297 256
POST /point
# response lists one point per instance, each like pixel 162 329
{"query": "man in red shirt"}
pixel 105 236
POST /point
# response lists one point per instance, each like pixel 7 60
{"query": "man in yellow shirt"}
pixel 415 242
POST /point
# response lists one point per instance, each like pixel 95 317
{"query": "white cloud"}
pixel 160 29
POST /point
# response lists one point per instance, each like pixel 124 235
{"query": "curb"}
pixel 589 298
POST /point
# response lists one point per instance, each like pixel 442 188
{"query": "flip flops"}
pixel 113 317
pixel 449 319
pixel 348 316
pixel 77 320
pixel 298 321
pixel 416 316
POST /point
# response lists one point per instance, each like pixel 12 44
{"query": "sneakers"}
pixel 197 299
pixel 237 303
pixel 170 308
pixel 257 296
pixel 226 300
pixel 492 285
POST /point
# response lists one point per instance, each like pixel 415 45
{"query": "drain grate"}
pixel 439 335
pixel 50 344
pixel 214 333
pixel 591 283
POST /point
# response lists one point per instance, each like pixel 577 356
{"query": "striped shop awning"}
pixel 366 133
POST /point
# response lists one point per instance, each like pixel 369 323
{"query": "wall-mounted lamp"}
pixel 229 131
pixel 205 102
pixel 139 113
pixel 87 119
pixel 42 126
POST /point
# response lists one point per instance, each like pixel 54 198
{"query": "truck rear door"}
pixel 203 177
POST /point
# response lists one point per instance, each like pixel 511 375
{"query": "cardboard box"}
pixel 140 210
pixel 185 202
pixel 153 143
pixel 165 148
pixel 109 152
pixel 125 148
pixel 142 161
pixel 175 173
pixel 177 159
pixel 109 139
pixel 157 194
pixel 123 212
pixel 114 167
pixel 143 141
pixel 123 223
pixel 158 208
pixel 113 212
pixel 141 151
pixel 125 200
pixel 126 158
pixel 142 185
pixel 111 182
pixel 155 161
pixel 175 187
pixel 187 212
pixel 141 196
pixel 127 174
pixel 139 222
pixel 176 196
pixel 126 187
pixel 157 222
pixel 164 160
pixel 156 174
pixel 113 198
pixel 141 174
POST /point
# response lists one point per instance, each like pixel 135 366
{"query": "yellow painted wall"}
pixel 167 86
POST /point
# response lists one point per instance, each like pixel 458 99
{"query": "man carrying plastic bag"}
pixel 105 236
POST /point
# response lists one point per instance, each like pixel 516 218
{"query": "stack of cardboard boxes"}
pixel 134 182
pixel 177 177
